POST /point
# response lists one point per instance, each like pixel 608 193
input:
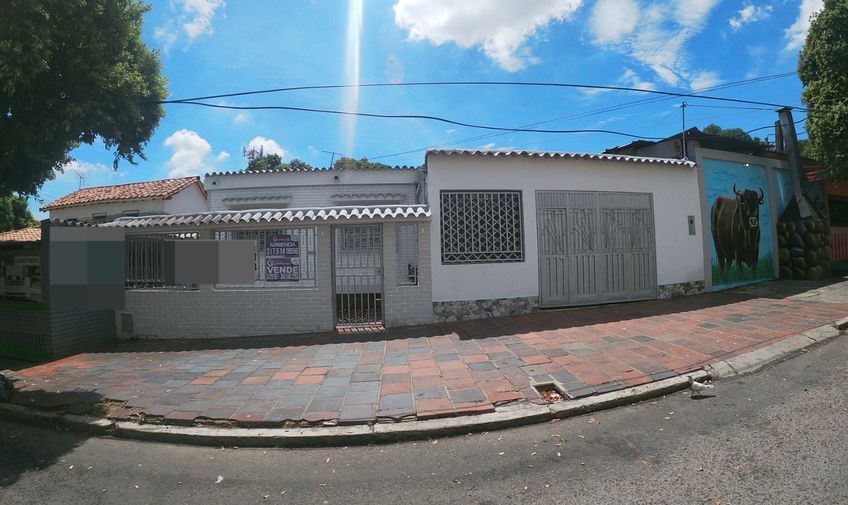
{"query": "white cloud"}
pixel 750 14
pixel 660 37
pixel 268 146
pixel 240 117
pixel 192 17
pixel 393 69
pixel 704 80
pixel 632 79
pixel 797 33
pixel 190 153
pixel 223 155
pixel 499 27
pixel 613 19
pixel 74 169
pixel 198 15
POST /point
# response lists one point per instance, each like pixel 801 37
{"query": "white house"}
pixel 514 231
pixel 104 203
pixel 471 234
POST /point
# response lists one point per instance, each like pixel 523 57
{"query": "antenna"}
pixel 683 133
pixel 81 178
pixel 332 158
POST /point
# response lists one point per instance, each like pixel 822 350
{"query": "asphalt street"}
pixel 775 437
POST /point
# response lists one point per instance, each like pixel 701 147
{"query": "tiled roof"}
pixel 148 190
pixel 560 155
pixel 274 216
pixel 31 234
pixel 311 169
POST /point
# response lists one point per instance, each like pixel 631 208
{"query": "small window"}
pixel 407 254
pixel 481 227
pixel 130 213
pixel 98 215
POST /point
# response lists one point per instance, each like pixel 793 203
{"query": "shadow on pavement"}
pixel 20 454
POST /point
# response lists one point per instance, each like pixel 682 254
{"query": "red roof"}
pixel 149 190
pixel 31 234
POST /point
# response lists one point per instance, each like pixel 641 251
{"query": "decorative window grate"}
pixel 306 240
pixel 144 259
pixel 407 254
pixel 481 227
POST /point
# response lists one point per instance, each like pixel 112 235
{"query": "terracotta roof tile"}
pixel 148 190
pixel 31 234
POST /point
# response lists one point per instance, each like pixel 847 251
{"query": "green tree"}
pixel 823 70
pixel 73 71
pixel 258 160
pixel 736 133
pixel 354 164
pixel 14 214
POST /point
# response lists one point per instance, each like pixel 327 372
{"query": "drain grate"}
pixel 550 392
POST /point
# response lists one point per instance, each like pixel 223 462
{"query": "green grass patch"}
pixel 764 270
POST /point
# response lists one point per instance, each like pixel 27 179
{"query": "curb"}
pixel 505 417
pixel 779 351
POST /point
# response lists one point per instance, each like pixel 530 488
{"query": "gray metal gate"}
pixel 595 247
pixel 358 275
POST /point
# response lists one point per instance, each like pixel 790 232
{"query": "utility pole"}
pixel 683 132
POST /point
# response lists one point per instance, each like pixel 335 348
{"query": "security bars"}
pixel 481 227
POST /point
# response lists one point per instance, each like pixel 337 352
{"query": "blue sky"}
pixel 213 46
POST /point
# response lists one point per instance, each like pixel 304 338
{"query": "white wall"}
pixel 112 209
pixel 314 188
pixel 190 199
pixel 675 196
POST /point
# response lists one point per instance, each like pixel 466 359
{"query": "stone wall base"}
pixel 480 309
pixel 666 291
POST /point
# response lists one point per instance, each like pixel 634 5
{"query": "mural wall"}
pixel 741 226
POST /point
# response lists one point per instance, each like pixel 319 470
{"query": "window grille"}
pixel 481 227
pixel 144 259
pixel 306 238
pixel 407 254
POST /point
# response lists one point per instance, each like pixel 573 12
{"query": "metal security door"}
pixel 358 275
pixel 595 247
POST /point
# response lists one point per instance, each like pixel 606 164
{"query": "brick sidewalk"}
pixel 418 372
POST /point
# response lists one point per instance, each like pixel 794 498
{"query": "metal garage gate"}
pixel 595 247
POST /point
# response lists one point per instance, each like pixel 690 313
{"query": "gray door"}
pixel 595 247
pixel 358 275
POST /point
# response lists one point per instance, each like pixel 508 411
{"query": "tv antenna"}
pixel 333 157
pixel 81 178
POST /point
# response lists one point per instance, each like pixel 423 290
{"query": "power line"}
pixel 474 83
pixel 409 116
pixel 602 110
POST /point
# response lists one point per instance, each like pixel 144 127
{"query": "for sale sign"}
pixel 282 259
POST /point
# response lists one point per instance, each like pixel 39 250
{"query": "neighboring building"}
pixel 752 243
pixel 105 203
pixel 29 328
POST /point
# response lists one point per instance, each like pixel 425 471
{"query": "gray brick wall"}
pixel 74 331
pixel 211 313
pixel 24 332
pixel 407 305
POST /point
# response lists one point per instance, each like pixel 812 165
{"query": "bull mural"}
pixel 736 229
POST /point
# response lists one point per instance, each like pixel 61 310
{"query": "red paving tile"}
pixel 626 345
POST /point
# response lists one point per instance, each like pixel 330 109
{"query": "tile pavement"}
pixel 418 372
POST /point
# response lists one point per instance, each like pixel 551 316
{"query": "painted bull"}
pixel 736 229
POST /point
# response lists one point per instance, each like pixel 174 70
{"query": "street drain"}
pixel 550 392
